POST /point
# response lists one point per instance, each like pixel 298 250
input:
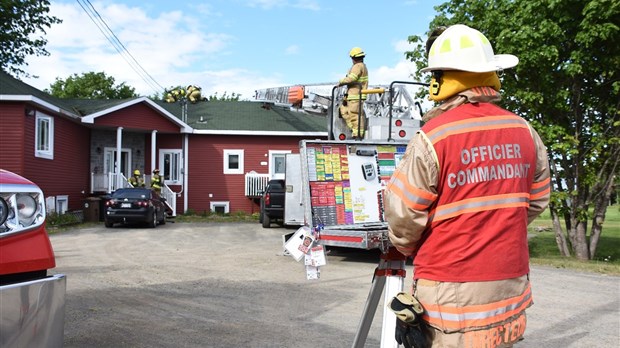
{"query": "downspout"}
pixel 153 148
pixel 185 172
pixel 117 162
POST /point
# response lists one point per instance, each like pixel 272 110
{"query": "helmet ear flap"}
pixel 436 82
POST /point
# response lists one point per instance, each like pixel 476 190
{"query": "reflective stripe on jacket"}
pixel 460 307
pixel 357 73
pixel 459 202
pixel 463 194
pixel 156 181
pixel 136 182
pixel 487 159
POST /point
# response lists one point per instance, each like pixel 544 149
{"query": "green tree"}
pixel 22 25
pixel 567 85
pixel 225 97
pixel 90 85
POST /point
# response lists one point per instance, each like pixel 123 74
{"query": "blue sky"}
pixel 233 45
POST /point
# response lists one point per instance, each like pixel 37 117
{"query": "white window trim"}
pixel 50 204
pixel 224 204
pixel 162 153
pixel 271 172
pixel 63 198
pixel 49 153
pixel 128 170
pixel 227 169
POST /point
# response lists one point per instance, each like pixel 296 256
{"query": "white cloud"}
pixel 402 46
pixel 267 4
pixel 293 49
pixel 403 70
pixel 161 45
pixel 301 4
pixel 172 47
pixel 308 5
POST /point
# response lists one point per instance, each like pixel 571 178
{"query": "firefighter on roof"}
pixel 194 94
pixel 460 201
pixel 356 80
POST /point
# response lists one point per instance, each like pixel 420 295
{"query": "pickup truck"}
pixel 272 203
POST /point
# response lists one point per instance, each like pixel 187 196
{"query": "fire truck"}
pixel 32 302
pixel 342 179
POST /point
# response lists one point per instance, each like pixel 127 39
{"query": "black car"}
pixel 272 203
pixel 135 205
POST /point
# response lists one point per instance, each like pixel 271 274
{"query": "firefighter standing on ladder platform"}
pixel 460 201
pixel 356 80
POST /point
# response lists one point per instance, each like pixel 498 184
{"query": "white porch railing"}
pixel 114 184
pixel 255 184
pixel 106 182
pixel 98 183
pixel 171 198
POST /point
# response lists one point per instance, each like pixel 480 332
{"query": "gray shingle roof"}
pixel 247 116
pixel 203 116
pixel 12 86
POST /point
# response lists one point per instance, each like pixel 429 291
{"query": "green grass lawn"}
pixel 544 250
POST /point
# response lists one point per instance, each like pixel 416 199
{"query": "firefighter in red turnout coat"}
pixel 461 198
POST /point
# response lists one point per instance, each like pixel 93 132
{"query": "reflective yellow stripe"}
pixel 356 97
pixel 411 196
pixel 475 124
pixel 540 189
pixel 452 317
pixel 472 205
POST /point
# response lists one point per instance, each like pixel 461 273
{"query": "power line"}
pixel 118 45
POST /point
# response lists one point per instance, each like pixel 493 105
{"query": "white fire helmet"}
pixel 466 49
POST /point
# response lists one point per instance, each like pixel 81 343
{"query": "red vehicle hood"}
pixel 7 177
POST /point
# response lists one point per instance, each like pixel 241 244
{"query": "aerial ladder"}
pixel 392 113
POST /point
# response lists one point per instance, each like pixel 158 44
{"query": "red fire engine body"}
pixel 32 302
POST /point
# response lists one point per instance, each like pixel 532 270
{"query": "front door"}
pixel 277 163
pixel 110 161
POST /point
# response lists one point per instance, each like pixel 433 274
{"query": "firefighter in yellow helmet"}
pixel 136 179
pixel 156 181
pixel 194 94
pixel 356 80
pixel 460 200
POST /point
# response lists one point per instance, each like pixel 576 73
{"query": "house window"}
pixel 220 207
pixel 62 204
pixel 44 137
pixel 233 161
pixel 170 166
pixel 277 164
pixel 110 161
pixel 50 204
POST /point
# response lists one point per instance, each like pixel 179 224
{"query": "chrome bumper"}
pixel 32 314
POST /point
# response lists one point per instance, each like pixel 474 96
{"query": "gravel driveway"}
pixel 229 285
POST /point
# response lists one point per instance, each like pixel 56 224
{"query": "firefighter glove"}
pixel 409 324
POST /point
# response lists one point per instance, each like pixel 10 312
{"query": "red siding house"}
pixel 215 156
